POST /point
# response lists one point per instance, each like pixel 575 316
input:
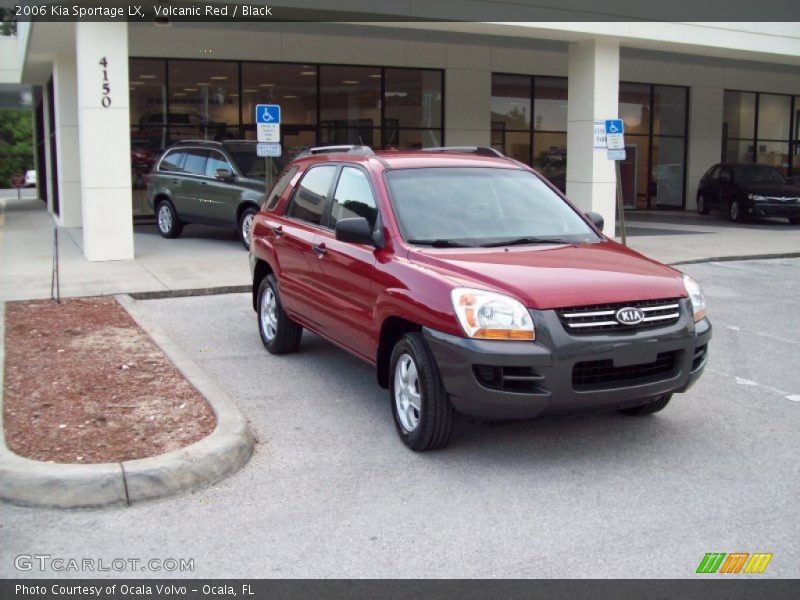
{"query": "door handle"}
pixel 175 181
pixel 320 249
pixel 277 230
pixel 204 184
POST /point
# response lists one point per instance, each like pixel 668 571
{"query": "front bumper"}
pixel 514 380
pixel 774 209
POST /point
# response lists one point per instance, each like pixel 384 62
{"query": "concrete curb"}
pixel 34 483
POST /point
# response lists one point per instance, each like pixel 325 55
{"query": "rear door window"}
pixel 195 163
pixel 310 198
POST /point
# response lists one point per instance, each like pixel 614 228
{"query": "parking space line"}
pixel 750 382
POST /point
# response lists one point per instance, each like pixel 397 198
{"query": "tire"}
pixel 245 225
pixel 279 334
pixel 649 408
pixel 736 212
pixel 702 207
pixel 167 221
pixel 794 220
pixel 415 377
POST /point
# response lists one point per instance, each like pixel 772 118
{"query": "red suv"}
pixel 472 285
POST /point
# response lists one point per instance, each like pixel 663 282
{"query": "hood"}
pixel 561 276
pixel 786 190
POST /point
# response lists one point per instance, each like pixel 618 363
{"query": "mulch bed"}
pixel 84 384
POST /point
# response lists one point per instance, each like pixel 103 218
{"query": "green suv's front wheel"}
pixel 246 225
pixel 169 225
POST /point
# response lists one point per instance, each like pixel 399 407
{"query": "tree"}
pixel 16 143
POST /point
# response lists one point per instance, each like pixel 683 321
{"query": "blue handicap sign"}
pixel 614 126
pixel 268 113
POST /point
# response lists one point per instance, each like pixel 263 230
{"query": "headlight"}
pixel 696 296
pixel 756 198
pixel 491 316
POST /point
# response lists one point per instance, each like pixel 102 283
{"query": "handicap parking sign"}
pixel 614 126
pixel 268 113
pixel 615 139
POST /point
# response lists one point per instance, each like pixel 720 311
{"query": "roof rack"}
pixel 477 150
pixel 344 149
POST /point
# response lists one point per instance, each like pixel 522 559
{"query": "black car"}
pixel 748 190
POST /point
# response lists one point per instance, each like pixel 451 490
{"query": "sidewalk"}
pixel 208 257
pixel 204 257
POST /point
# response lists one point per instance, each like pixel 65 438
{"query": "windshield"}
pixel 756 174
pixel 448 206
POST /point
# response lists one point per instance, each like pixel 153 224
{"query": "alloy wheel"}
pixel 247 225
pixel 164 218
pixel 269 313
pixel 407 393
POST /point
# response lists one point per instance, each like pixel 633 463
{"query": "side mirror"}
pixel 355 231
pixel 596 219
pixel 224 175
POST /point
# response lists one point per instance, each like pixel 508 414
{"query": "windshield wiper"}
pixel 438 243
pixel 525 240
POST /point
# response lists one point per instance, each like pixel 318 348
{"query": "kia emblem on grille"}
pixel 629 315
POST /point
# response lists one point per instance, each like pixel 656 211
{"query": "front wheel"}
pixel 246 225
pixel 422 412
pixel 736 212
pixel 648 409
pixel 279 334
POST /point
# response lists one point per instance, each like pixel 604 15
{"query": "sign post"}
pixel 18 181
pixel 615 143
pixel 268 135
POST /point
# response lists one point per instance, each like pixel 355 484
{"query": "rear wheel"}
pixel 648 409
pixel 736 212
pixel 169 225
pixel 279 334
pixel 794 220
pixel 702 207
pixel 422 412
pixel 246 225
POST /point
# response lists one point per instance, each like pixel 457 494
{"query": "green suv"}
pixel 214 183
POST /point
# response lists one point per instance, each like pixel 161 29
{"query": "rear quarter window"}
pixel 171 161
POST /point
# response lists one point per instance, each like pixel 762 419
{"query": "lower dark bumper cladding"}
pixel 542 372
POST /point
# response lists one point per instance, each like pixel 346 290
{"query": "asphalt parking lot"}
pixel 331 492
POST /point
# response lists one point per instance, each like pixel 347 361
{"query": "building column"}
pixel 705 136
pixel 593 96
pixel 104 118
pixel 468 96
pixel 47 181
pixel 65 103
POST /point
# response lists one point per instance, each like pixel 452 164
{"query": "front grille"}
pixel 508 379
pixel 601 317
pixel 597 374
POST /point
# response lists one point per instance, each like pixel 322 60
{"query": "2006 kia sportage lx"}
pixel 473 286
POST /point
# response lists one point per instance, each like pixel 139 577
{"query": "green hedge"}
pixel 16 143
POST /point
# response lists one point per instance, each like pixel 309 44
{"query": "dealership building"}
pixel 110 96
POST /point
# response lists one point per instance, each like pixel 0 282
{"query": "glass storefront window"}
pixel 413 98
pixel 350 105
pixel 203 100
pixel 550 104
pixel 294 87
pixel 669 110
pixel 775 154
pixel 774 116
pixel 550 157
pixel 511 102
pixel 739 114
pixel 668 159
pixel 634 107
pixel 738 151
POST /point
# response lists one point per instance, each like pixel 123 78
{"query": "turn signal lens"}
pixel 491 316
pixel 696 296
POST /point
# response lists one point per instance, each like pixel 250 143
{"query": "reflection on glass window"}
pixel 203 100
pixel 550 105
pixel 739 114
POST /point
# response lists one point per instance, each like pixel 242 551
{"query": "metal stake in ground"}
pixel 620 204
pixel 55 284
